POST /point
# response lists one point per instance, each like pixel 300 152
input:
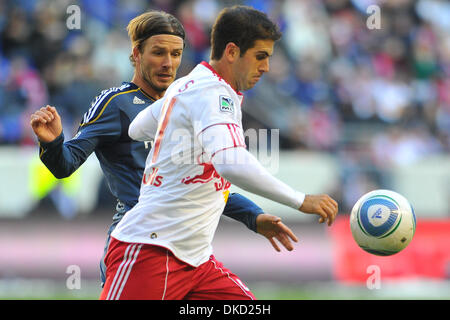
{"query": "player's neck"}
pixel 224 71
pixel 146 88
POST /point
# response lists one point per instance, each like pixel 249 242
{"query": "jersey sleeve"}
pixel 145 124
pixel 104 126
pixel 216 121
pixel 64 158
pixel 242 169
pixel 243 210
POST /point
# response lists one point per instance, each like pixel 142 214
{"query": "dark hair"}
pixel 241 25
pixel 152 23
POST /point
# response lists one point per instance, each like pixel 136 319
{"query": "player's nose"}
pixel 264 67
pixel 168 61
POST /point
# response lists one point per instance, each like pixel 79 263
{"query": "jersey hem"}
pixel 168 247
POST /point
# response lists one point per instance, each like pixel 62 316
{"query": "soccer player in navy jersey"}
pixel 157 46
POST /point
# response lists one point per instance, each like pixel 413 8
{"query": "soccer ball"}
pixel 383 222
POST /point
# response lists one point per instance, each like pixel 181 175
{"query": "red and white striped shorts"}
pixel 137 271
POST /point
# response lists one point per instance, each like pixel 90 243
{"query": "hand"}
pixel 322 205
pixel 46 124
pixel 271 226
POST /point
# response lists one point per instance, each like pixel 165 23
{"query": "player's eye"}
pixel 261 56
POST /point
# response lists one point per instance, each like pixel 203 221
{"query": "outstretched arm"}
pixel 64 158
pixel 249 175
pixel 233 162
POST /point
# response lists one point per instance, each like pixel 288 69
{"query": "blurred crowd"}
pixel 374 97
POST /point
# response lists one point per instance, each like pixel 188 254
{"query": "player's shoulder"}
pixel 108 100
pixel 202 82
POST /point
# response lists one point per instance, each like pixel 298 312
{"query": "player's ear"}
pixel 231 52
pixel 135 52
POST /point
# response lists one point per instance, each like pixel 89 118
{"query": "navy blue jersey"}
pixel 104 130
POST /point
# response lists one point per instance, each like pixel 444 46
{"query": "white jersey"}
pixel 182 196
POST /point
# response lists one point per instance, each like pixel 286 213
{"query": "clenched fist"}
pixel 46 124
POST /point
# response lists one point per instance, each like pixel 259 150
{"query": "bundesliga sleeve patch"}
pixel 226 104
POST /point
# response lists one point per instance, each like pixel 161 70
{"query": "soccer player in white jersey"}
pixel 162 247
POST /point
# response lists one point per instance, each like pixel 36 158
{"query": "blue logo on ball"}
pixel 382 229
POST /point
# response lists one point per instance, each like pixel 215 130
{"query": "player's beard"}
pixel 148 79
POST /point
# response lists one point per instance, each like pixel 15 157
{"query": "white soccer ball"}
pixel 383 222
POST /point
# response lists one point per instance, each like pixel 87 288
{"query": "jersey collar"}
pixel 207 65
pixel 135 86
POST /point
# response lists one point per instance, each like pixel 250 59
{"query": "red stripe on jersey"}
pixel 167 110
pixel 236 134
pixel 232 133
pixel 239 135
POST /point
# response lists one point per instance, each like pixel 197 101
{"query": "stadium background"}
pixel 356 109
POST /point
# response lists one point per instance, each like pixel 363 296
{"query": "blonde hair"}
pixel 149 24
